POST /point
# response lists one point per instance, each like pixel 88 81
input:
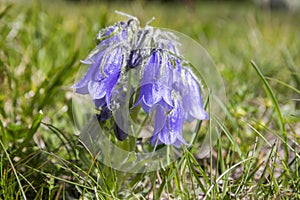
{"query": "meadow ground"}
pixel 256 51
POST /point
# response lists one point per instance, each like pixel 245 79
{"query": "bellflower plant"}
pixel 166 88
pixel 105 65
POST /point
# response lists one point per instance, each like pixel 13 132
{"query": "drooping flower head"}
pixel 167 87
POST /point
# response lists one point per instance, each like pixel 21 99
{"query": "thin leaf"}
pixel 275 104
pixel 14 170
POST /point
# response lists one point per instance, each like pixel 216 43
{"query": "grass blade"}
pixel 275 103
pixel 14 170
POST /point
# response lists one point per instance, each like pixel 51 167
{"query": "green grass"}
pixel 256 51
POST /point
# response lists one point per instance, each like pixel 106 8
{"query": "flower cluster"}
pixel 167 86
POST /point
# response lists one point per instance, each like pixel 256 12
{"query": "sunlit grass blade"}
pixel 275 103
pixel 286 144
pixel 34 127
pixel 62 137
pixel 231 139
pixel 207 194
pixel 192 165
pixel 14 170
pixel 248 167
pixel 284 84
